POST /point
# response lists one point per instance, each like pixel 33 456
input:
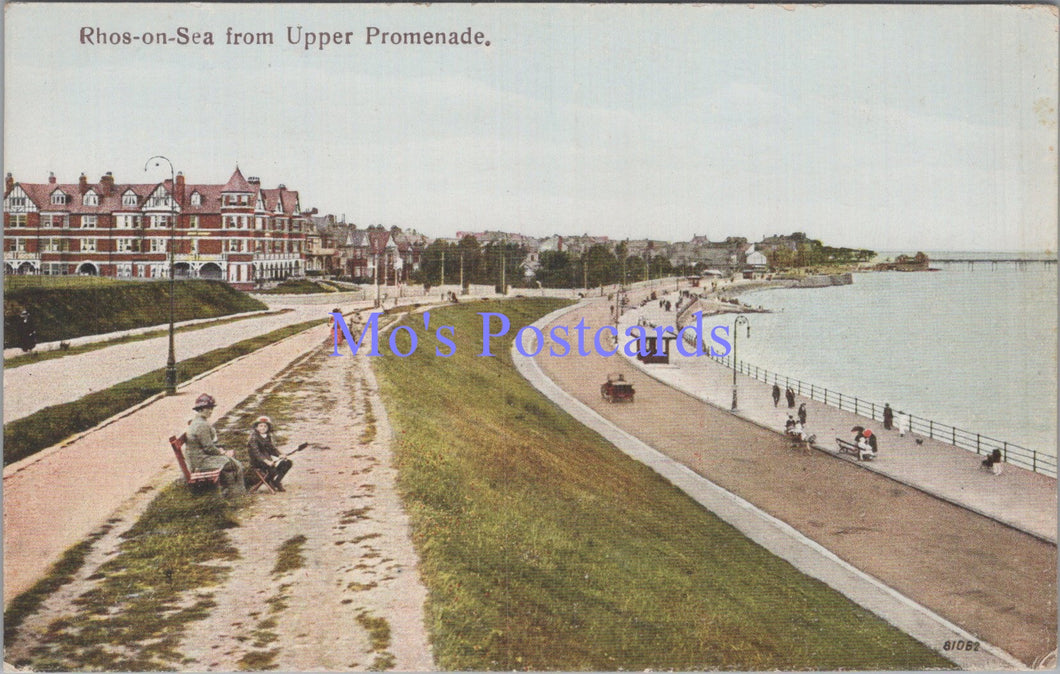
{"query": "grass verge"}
pixel 51 425
pixel 544 547
pixel 38 356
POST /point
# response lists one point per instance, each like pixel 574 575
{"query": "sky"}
pixel 884 127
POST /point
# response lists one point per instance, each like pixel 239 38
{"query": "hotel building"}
pixel 237 232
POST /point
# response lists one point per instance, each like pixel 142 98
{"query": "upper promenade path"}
pixel 995 581
pixel 1020 498
pixel 54 498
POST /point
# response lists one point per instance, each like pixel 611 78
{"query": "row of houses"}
pixel 238 231
pixel 245 234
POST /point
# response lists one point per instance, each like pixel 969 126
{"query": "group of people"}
pixel 789 396
pixel 204 454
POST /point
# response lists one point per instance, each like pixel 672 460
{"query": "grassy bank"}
pixel 544 547
pixel 299 287
pixel 72 307
pixel 54 424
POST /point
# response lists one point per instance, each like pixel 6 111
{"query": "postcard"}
pixel 539 337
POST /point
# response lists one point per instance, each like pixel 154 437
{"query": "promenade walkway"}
pixel 56 497
pixel 988 579
pixel 1019 498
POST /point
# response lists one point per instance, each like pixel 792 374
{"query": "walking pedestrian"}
pixel 790 396
pixel 802 414
pixel 776 395
pixel 888 416
pixel 904 423
pixel 26 332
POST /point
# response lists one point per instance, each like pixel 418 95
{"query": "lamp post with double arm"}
pixel 171 362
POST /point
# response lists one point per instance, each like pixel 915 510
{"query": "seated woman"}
pixel 264 455
pixel 867 447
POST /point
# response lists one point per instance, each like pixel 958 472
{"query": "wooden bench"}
pixel 192 479
pixel 847 447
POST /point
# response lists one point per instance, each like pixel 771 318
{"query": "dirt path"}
pixel 350 597
pixel 995 582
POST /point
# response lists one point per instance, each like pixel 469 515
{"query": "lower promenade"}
pixel 993 580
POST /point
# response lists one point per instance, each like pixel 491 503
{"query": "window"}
pixel 128 199
pixel 51 245
pixel 88 245
pixel 158 245
pixel 20 245
pixel 159 221
pixel 193 221
pixel 16 220
pixel 53 221
pixel 59 198
pixel 16 201
pixel 196 199
pixel 159 199
pixel 90 199
pixel 128 221
pixel 126 246
pixel 89 221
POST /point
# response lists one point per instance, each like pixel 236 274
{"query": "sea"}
pixel 971 345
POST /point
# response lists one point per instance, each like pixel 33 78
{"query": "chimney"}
pixel 82 183
pixel 106 184
pixel 9 184
pixel 51 178
pixel 178 190
pixel 282 186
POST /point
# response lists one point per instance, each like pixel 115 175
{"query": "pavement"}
pixel 1019 498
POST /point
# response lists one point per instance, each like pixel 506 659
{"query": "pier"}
pixel 1020 263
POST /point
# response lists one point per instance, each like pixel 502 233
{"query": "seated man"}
pixel 993 462
pixel 202 451
pixel 264 456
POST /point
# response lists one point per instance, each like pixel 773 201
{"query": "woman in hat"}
pixel 202 451
pixel 264 455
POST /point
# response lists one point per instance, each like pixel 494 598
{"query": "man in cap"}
pixel 202 451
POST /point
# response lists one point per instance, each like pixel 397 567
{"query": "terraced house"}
pixel 238 232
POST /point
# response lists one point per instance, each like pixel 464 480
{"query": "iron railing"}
pixel 1014 454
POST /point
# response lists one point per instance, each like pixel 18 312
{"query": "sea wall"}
pixel 825 280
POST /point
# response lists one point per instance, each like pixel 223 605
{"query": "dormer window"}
pixel 128 199
pixel 58 198
pixel 196 199
pixel 90 199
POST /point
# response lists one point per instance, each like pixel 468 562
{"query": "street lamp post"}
pixel 171 362
pixel 740 320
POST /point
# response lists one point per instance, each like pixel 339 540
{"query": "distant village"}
pixel 252 236
pixel 339 249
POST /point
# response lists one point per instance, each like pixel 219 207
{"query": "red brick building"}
pixel 237 232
